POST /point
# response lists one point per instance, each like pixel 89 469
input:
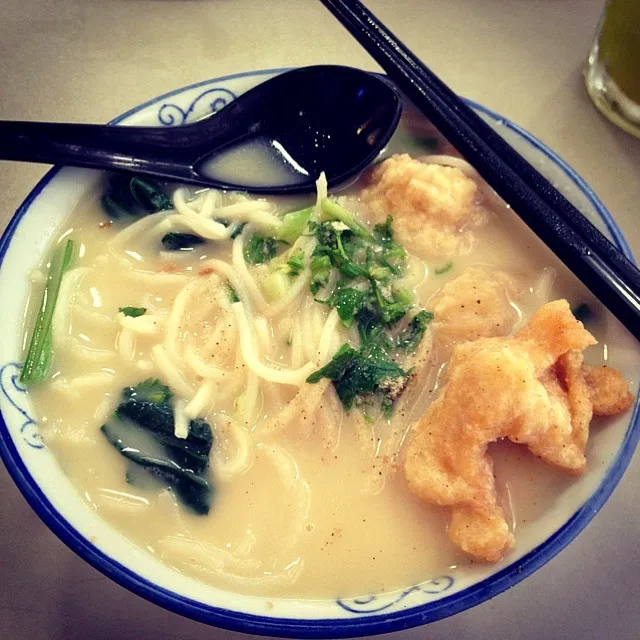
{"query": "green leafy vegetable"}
pixel 149 390
pixel 143 430
pixel 348 302
pixel 320 266
pixel 237 231
pixel 369 264
pixel 336 243
pixel 276 284
pixel 443 269
pixel 411 337
pixel 192 488
pixel 402 295
pixel 38 361
pixel 293 224
pixel 148 195
pixel 133 196
pixel 132 312
pixel 333 211
pixel 296 263
pixel 260 249
pixel 233 294
pixel 359 374
pixel 181 241
pixel 391 310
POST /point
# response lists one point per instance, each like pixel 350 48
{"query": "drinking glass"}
pixel 612 72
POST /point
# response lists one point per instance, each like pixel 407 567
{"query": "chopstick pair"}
pixel 575 240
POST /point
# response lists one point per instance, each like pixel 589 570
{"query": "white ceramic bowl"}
pixel 52 496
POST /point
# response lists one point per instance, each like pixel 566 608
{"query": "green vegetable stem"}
pixel 38 361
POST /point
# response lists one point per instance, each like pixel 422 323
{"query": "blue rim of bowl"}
pixel 325 627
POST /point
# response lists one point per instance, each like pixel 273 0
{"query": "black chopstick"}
pixel 584 250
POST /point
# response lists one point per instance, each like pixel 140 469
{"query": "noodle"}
pixel 284 376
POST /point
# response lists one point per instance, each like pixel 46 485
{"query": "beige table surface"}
pixel 88 60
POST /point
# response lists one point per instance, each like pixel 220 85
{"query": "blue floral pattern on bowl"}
pixel 209 101
pixel 16 394
pixel 378 603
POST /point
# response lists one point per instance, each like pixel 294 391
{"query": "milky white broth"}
pixel 339 524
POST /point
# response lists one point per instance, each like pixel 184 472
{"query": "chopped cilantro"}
pixel 296 264
pixel 260 249
pixel 132 312
pixel 320 271
pixel 411 337
pixel 358 374
pixel 443 269
pixel 233 294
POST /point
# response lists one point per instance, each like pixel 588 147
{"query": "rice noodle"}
pixel 172 374
pixel 226 470
pixel 294 377
pixel 199 224
pixel 303 407
pixel 249 284
pixel 141 227
pixel 125 343
pixel 146 325
pixel 228 272
pixel 257 212
pixel 176 316
pixel 61 320
pixel 180 419
pixel 328 331
pixel 202 401
pixel 201 368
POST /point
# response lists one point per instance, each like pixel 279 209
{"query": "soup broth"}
pixel 308 503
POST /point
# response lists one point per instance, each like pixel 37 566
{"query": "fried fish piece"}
pixel 531 388
pixel 434 207
pixel 476 304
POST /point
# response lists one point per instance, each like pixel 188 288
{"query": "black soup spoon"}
pixel 321 118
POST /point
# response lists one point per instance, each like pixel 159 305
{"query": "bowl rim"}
pixel 325 627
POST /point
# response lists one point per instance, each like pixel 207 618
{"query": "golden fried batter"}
pixel 476 304
pixel 609 392
pixel 434 207
pixel 530 388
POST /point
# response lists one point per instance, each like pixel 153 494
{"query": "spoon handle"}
pixel 86 145
pixel 164 152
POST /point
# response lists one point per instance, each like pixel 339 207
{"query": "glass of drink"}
pixel 612 73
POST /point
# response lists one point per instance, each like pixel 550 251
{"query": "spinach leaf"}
pixel 133 196
pixel 181 241
pixel 142 428
pixel 148 195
